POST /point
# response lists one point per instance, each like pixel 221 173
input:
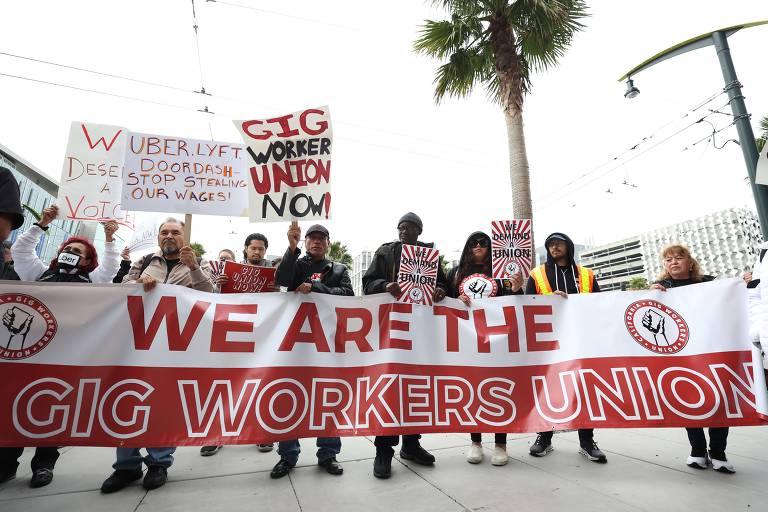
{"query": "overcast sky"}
pixel 394 149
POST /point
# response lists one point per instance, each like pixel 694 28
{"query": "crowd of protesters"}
pixel 176 263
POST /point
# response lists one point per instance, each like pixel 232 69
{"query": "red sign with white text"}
pixel 248 278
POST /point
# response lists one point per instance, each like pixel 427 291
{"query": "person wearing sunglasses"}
pixel 76 260
pixel 473 279
pixel 560 275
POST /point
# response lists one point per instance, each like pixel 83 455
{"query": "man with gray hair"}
pixel 175 263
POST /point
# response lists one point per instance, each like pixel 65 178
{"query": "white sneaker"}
pixel 723 466
pixel 697 462
pixel 475 454
pixel 500 457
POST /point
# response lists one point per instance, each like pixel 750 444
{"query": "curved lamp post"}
pixel 719 39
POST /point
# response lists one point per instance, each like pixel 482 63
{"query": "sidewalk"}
pixel 645 471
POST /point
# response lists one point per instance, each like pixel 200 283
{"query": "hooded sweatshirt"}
pixel 560 278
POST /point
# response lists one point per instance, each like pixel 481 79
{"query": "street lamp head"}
pixel 632 91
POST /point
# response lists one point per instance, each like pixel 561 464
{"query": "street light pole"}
pixel 743 126
pixel 719 39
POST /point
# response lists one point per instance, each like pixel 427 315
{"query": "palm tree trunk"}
pixel 519 175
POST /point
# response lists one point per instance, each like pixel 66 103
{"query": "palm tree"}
pixel 338 253
pixel 198 249
pixel 763 136
pixel 499 43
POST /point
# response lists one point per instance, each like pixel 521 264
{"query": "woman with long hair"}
pixel 680 268
pixel 473 279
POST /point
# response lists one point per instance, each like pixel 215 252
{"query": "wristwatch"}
pixel 44 228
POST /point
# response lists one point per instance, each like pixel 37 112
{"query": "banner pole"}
pixel 188 228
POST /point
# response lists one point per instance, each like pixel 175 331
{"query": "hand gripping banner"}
pixel 108 365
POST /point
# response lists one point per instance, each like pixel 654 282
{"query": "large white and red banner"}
pixel 111 365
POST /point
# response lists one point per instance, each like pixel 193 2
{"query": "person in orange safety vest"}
pixel 560 275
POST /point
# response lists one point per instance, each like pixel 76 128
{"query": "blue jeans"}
pixel 131 459
pixel 327 447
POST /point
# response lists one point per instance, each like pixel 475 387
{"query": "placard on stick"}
pixel 417 276
pixel 289 160
pixel 177 174
pixel 91 176
pixel 248 278
pixel 511 249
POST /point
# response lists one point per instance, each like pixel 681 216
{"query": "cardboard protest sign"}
pixel 511 250
pixel 248 278
pixel 417 276
pixel 176 174
pixel 91 175
pixel 289 159
pixel 217 267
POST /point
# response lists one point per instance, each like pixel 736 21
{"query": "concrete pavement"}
pixel 645 471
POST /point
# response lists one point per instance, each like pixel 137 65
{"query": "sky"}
pixel 394 149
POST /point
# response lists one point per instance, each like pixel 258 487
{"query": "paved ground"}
pixel 645 471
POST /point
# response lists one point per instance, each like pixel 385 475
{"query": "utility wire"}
pixel 197 42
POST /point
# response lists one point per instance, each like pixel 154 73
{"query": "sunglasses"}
pixel 482 242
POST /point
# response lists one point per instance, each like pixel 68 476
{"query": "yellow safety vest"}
pixel 539 275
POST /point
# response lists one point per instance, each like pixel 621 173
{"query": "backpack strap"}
pixel 145 263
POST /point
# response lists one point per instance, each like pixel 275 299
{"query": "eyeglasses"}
pixel 482 242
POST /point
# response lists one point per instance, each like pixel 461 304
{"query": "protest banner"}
pixel 417 276
pixel 144 235
pixel 290 165
pixel 91 175
pixel 511 249
pixel 113 366
pixel 248 278
pixel 176 174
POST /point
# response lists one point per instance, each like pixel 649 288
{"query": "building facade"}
pixel 724 243
pixel 360 264
pixel 37 192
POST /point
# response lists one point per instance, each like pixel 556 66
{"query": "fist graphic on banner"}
pixel 17 322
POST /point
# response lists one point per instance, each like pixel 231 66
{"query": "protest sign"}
pixel 417 276
pixel 176 174
pixel 511 249
pixel 91 175
pixel 217 267
pixel 248 278
pixel 289 165
pixel 144 235
pixel 175 366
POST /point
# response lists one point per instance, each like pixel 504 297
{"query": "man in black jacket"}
pixel 311 273
pixel 381 277
pixel 560 275
pixel 11 213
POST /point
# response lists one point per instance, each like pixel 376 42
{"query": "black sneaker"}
pixel 593 453
pixel 41 477
pixel 265 447
pixel 281 469
pixel 417 454
pixel 119 479
pixel 207 451
pixel 332 466
pixel 540 447
pixel 156 477
pixel 382 465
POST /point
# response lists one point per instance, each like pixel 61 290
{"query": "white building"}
pixel 724 243
pixel 360 264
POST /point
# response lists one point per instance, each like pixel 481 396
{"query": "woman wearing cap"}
pixel 473 279
pixel 682 269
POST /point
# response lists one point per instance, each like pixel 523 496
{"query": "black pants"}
pixel 586 435
pixel 384 444
pixel 478 438
pixel 45 457
pixel 718 439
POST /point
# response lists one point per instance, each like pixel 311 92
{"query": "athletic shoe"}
pixel 475 454
pixel 593 453
pixel 697 462
pixel 540 447
pixel 417 454
pixel 41 477
pixel 207 451
pixel 265 447
pixel 500 457
pixel 722 465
